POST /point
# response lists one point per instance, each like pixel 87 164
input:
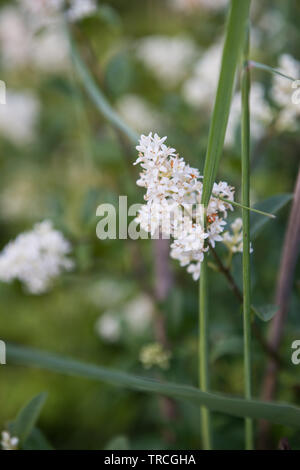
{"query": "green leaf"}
pixel 278 413
pixel 27 417
pixel 265 312
pixel 273 205
pixel 235 33
pixel 37 441
pixel 118 443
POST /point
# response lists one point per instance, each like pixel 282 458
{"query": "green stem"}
pixel 203 355
pixel 251 209
pixel 96 94
pixel 245 84
pixel 267 68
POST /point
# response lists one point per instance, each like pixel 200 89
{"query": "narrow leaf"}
pixel 235 33
pixel 37 441
pixel 96 94
pixel 265 312
pixel 278 413
pixel 27 417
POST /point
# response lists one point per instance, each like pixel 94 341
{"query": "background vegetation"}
pixel 76 161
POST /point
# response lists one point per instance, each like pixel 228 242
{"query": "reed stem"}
pixel 245 84
pixel 203 355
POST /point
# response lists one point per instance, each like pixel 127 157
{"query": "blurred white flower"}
pixel 138 313
pixel 15 38
pixel 36 258
pixel 108 293
pixel 260 112
pixel 18 117
pixel 108 327
pixel 173 192
pixel 23 44
pixel 40 13
pixel 9 442
pixel 50 50
pixel 200 89
pixel 272 22
pixel 138 113
pixel 154 354
pixel 190 5
pixel 21 198
pixel 80 9
pixel 282 93
pixel 168 58
pixel 233 240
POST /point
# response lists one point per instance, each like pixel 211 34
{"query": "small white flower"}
pixel 261 114
pixel 18 117
pixel 282 93
pixel 36 258
pixel 33 35
pixel 138 113
pixel 199 90
pixel 108 327
pixel 9 442
pixel 81 9
pixel 167 57
pixel 138 313
pixel 233 240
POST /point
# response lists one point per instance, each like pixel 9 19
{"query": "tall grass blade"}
pixel 235 33
pixel 277 413
pixel 96 94
pixel 249 434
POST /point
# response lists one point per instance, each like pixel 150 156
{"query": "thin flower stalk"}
pixel 249 440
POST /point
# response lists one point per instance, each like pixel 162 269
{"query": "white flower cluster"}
pixel 167 57
pixel 200 89
pixel 23 44
pixel 8 442
pixel 261 114
pixel 44 11
pixel 18 118
pixel 282 93
pixel 190 5
pixel 81 9
pixel 36 258
pixel 233 239
pixel 138 113
pixel 31 33
pixel 173 207
pixel 134 316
